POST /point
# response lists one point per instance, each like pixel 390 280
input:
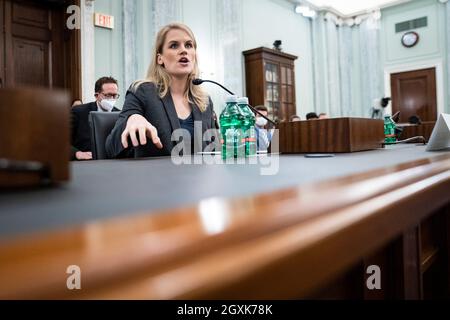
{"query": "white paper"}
pixel 440 138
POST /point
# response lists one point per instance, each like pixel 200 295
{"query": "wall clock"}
pixel 410 39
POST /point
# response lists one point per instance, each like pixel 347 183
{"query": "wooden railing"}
pixel 292 243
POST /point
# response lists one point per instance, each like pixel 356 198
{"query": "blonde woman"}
pixel 165 101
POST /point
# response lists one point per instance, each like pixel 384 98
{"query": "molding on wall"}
pixel 129 42
pixel 87 50
pixel 437 63
pixel 353 14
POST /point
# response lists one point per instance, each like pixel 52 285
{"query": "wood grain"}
pixel 331 135
pixel 414 94
pixel 285 244
pixel 256 82
pixel 34 126
pixel 424 129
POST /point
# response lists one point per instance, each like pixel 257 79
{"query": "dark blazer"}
pixel 161 113
pixel 81 132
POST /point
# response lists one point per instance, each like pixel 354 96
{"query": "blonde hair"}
pixel 158 75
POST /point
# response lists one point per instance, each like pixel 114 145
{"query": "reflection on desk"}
pixel 311 231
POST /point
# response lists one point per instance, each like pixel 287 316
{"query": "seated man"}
pixel 263 136
pixel 312 116
pixel 106 95
pixel 294 118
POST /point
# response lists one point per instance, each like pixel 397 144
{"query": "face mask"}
pixel 261 122
pixel 108 105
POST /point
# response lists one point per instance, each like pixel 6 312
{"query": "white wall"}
pixel 265 21
pixel 199 18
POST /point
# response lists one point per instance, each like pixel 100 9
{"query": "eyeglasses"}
pixel 111 96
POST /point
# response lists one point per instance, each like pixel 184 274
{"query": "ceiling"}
pixel 349 8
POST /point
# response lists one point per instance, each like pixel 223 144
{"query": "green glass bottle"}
pixel 389 130
pixel 231 120
pixel 248 127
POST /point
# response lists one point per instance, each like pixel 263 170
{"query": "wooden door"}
pixel 414 93
pixel 36 48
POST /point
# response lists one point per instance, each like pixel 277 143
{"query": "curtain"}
pixel 164 12
pixel 371 70
pixel 347 65
pixel 129 42
pixel 228 17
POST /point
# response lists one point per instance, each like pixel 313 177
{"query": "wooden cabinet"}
pixel 270 80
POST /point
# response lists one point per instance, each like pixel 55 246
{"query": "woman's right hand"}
pixel 138 126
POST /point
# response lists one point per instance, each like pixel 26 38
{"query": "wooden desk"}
pixel 310 240
pixel 34 136
pixel 413 130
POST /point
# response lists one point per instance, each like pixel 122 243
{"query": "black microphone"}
pixel 197 82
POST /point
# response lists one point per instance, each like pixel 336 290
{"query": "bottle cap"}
pixel 243 100
pixel 231 99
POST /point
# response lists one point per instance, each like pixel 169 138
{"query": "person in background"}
pixel 76 102
pixel 294 118
pixel 312 116
pixel 414 119
pixel 165 101
pixel 106 95
pixel 263 135
pixel 323 116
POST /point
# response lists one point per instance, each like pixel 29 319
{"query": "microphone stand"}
pixel 200 81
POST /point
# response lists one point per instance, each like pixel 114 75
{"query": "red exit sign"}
pixel 104 21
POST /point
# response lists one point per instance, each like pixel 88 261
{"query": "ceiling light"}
pixel 305 11
pixel 301 9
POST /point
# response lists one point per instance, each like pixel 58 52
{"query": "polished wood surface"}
pixel 331 135
pixel 414 94
pixel 285 244
pixel 270 78
pixel 34 126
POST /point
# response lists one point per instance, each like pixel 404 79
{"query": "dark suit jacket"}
pixel 81 132
pixel 161 113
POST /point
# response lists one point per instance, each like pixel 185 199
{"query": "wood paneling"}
pixel 38 50
pixel 414 93
pixel 331 135
pixel 413 130
pixel 34 126
pixel 36 71
pixel 285 244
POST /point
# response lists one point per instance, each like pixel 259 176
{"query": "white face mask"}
pixel 261 122
pixel 108 104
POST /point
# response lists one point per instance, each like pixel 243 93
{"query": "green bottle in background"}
pixel 231 120
pixel 248 127
pixel 389 130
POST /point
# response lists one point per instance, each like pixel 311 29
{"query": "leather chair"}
pixel 101 124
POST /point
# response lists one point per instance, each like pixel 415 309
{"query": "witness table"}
pixel 148 228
